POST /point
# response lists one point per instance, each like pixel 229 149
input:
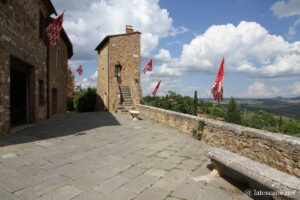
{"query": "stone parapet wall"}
pixel 273 149
pixel 182 122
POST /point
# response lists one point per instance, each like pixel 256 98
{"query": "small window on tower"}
pixel 118 69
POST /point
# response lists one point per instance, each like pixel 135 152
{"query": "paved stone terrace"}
pixel 103 156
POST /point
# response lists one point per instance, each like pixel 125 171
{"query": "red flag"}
pixel 148 66
pixel 156 88
pixel 217 88
pixel 54 29
pixel 79 70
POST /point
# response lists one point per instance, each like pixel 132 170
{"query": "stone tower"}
pixel 119 61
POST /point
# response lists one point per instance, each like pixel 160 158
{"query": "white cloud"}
pixel 292 29
pixel 148 44
pixel 165 70
pixel 176 31
pixel 295 88
pixel 90 81
pixel 248 48
pixel 88 22
pixel 163 56
pixel 286 8
pixel 260 89
pixel 149 82
pixel 72 5
pixel 257 89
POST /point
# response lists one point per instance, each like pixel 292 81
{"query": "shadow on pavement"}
pixel 59 126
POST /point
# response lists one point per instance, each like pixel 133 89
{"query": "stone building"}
pixel 119 59
pixel 32 73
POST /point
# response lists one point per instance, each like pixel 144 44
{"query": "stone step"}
pixel 125 89
pixel 126 104
pixel 125 109
pixel 127 97
pixel 128 100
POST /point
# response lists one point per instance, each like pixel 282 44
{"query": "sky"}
pixel 259 40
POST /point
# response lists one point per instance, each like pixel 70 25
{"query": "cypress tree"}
pixel 233 114
pixel 195 106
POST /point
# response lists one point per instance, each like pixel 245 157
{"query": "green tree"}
pixel 280 123
pixel 195 105
pixel 233 114
pixel 70 89
pixel 85 100
pixel 291 127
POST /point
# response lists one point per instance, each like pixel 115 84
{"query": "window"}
pixel 41 92
pixel 118 69
pixel 42 27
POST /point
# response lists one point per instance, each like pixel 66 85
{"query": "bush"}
pixel 85 100
pixel 70 105
pixel 291 127
pixel 261 120
pixel 216 111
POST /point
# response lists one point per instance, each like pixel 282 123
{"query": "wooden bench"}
pixel 261 178
pixel 134 114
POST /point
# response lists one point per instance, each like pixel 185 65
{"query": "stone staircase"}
pixel 127 102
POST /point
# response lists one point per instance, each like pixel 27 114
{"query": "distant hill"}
pixel 289 107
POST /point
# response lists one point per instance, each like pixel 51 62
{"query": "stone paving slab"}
pixel 103 156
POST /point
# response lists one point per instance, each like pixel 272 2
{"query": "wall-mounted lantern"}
pixel 118 68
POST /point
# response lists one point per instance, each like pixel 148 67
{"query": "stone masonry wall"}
pixel 102 82
pixel 58 69
pixel 126 50
pixel 19 37
pixel 275 150
pixel 4 91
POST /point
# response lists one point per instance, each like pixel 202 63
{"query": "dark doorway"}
pixel 18 97
pixel 54 101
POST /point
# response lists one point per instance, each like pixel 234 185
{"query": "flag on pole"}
pixel 156 88
pixel 217 88
pixel 54 29
pixel 79 70
pixel 148 66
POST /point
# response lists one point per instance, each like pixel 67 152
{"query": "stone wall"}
pixel 183 122
pixel 19 38
pixel 4 91
pixel 102 82
pixel 58 69
pixel 124 49
pixel 23 47
pixel 276 150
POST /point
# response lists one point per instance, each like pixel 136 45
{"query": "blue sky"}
pixel 187 39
